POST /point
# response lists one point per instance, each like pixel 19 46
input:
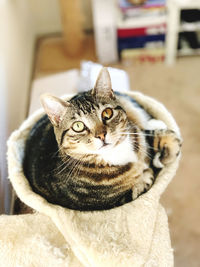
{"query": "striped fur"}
pixel 59 170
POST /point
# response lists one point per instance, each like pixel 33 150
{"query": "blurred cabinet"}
pixel 104 19
pixel 174 26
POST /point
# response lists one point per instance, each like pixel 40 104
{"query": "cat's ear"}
pixel 103 86
pixel 54 107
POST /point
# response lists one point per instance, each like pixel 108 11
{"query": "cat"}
pixel 94 152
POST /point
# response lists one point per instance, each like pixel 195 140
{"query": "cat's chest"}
pixel 120 154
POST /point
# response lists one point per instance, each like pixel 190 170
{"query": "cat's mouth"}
pixel 117 153
pixel 105 145
pixel 112 145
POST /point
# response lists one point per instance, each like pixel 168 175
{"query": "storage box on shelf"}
pixel 141 30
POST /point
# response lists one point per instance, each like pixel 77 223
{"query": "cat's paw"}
pixel 143 184
pixel 168 147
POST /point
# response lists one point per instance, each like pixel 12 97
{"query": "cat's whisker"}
pixel 71 171
pixel 141 147
pixel 75 168
pixel 142 134
pixel 72 166
pixel 67 163
pixel 60 166
pixel 65 166
pixel 78 169
pixel 57 152
pixel 146 152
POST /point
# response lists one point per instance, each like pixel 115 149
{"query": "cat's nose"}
pixel 101 136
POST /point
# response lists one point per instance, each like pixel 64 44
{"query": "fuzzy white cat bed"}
pixel 135 234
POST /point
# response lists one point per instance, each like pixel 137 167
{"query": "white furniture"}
pixel 104 18
pixel 174 26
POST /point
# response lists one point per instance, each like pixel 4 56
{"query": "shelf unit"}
pixel 107 20
pixel 174 26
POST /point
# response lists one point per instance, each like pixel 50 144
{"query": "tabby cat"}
pixel 94 151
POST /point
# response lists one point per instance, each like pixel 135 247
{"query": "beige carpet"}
pixel 178 87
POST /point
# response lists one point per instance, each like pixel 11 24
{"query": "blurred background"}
pixel 50 45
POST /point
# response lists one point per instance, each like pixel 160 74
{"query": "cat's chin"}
pixel 118 155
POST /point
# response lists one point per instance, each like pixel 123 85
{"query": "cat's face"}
pixel 91 123
pixel 95 131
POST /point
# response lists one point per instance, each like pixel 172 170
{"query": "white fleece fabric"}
pixel 135 234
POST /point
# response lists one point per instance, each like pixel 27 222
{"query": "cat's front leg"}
pixel 167 147
pixel 143 183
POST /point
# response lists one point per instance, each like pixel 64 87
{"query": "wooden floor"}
pixel 178 88
pixel 51 56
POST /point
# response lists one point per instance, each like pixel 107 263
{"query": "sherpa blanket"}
pixel 135 234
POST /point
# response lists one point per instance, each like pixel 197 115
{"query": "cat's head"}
pixel 91 123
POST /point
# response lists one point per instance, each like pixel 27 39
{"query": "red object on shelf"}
pixel 157 29
pixel 122 33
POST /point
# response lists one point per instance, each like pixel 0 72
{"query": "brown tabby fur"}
pixel 107 163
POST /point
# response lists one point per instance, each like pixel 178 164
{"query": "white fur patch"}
pixel 120 154
pixel 154 124
pixel 156 161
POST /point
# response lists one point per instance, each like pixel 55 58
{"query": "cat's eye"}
pixel 107 114
pixel 78 126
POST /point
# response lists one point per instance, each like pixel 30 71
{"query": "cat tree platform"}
pixel 135 234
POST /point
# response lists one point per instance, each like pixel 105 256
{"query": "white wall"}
pixel 20 23
pixel 16 55
pixel 3 133
pixel 46 16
